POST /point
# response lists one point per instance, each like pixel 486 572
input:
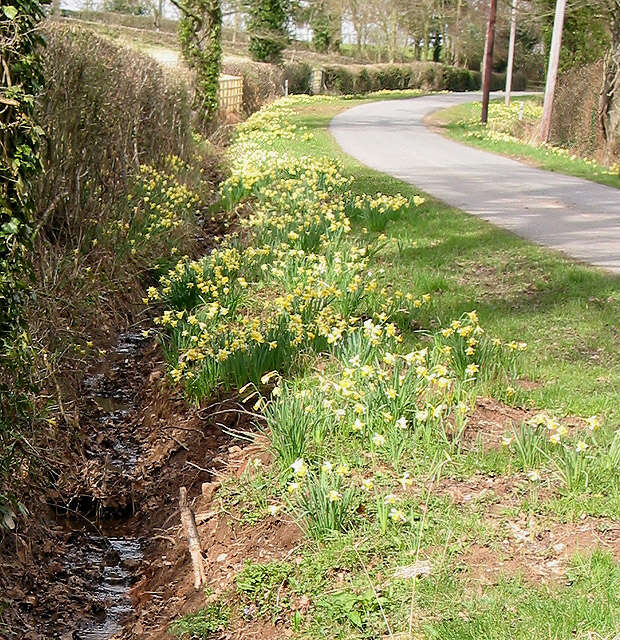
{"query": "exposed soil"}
pixel 490 421
pixel 138 443
pixel 539 549
pixel 166 589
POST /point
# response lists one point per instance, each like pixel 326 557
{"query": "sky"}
pixel 170 11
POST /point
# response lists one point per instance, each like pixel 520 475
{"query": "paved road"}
pixel 578 217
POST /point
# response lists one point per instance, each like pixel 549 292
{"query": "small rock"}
pixel 421 568
pixel 208 489
pixel 111 557
pixel 221 557
pixel 131 564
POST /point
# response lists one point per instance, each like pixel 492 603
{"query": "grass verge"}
pixel 508 135
pixel 364 322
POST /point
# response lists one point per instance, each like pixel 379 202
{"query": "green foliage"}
pixel 20 81
pixel 201 624
pixel 268 28
pixel 416 75
pixel 290 425
pixel 262 586
pixel 200 34
pixel 299 76
pixel 325 27
pixel 325 505
pixel 585 37
pixel 347 608
pixel 321 32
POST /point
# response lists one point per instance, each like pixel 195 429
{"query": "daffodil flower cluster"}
pixel 375 211
pixel 159 204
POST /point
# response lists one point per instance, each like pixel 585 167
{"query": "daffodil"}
pixel 378 440
pixel 299 468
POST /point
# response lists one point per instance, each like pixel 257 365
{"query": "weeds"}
pixel 203 623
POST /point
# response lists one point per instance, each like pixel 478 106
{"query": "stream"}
pixel 104 553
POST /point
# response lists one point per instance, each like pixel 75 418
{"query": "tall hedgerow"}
pixel 20 81
pixel 268 27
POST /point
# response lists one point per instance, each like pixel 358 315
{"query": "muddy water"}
pixel 109 564
pixel 104 557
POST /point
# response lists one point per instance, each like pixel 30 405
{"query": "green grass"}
pixel 473 545
pixel 462 123
pixel 568 313
pixel 202 624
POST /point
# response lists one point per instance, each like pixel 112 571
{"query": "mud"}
pixel 105 520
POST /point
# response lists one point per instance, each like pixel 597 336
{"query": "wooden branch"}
pixel 191 532
pixel 188 12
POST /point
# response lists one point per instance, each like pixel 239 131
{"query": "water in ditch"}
pixel 105 557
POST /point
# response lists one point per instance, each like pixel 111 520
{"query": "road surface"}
pixel 578 217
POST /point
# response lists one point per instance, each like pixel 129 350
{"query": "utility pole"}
pixel 488 61
pixel 552 71
pixel 511 50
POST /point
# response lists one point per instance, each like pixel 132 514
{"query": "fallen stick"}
pixel 189 524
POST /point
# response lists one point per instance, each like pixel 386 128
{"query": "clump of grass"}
pixel 203 623
pixel 263 586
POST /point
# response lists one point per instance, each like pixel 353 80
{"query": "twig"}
pixel 191 464
pixel 193 540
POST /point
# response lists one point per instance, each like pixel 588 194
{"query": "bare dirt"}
pixel 539 549
pixel 138 442
pixel 166 589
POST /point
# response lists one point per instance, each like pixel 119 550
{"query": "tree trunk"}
pixel 456 41
pixel 610 95
pixel 393 35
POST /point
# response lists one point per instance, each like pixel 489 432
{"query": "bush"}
pixel 417 75
pixel 299 76
pixel 339 79
pixel 576 121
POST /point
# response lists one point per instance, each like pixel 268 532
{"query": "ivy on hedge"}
pixel 268 28
pixel 200 35
pixel 20 81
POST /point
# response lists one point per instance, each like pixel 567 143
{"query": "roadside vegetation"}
pixel 116 190
pixel 366 328
pixel 512 130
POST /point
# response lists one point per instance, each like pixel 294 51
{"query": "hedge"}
pixel 421 75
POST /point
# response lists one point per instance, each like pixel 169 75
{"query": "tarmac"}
pixel 575 216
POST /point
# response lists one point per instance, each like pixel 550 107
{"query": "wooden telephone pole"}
pixel 511 50
pixel 488 61
pixel 552 71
